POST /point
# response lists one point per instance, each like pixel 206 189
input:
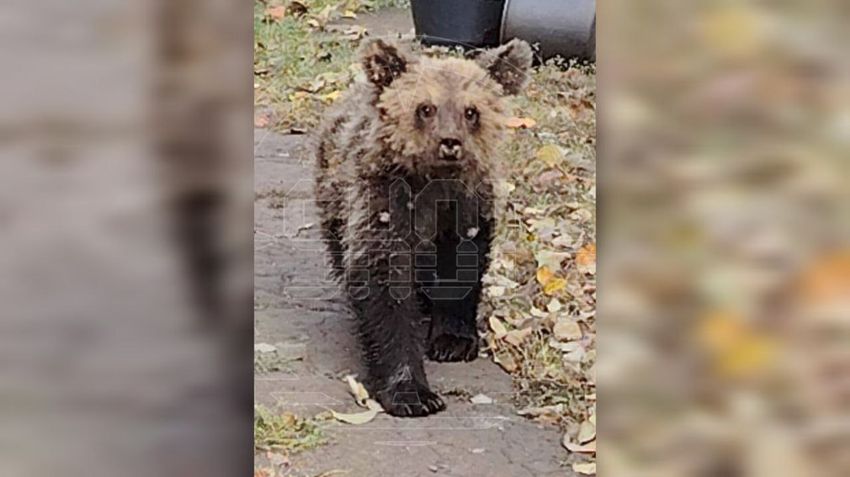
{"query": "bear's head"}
pixel 444 113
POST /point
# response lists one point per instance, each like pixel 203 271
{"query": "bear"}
pixel 406 166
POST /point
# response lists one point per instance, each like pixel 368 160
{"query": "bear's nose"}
pixel 450 149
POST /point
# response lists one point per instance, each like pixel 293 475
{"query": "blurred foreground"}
pixel 724 313
pixel 125 155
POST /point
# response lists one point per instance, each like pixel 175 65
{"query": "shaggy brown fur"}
pixel 405 169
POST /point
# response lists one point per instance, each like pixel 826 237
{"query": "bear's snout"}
pixel 450 149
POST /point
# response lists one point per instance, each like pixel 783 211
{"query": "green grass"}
pixel 296 63
pixel 284 432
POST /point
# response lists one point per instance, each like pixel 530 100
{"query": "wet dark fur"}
pixel 405 169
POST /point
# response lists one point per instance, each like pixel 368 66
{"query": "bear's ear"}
pixel 383 62
pixel 508 65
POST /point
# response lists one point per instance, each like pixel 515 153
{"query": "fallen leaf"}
pixel 736 348
pixel 586 432
pixel 549 176
pixel 481 399
pixel 321 19
pixel 496 291
pixel 498 327
pixel 355 33
pixel 735 31
pixel 589 448
pixel 506 187
pixel 566 330
pixel 261 121
pixel 506 361
pixel 720 328
pixel 313 87
pixel 298 95
pixel 356 418
pixel 586 259
pixel 516 337
pixel 264 348
pixel 523 123
pixel 538 312
pixel 331 97
pixel 349 14
pixel 585 468
pixel 549 259
pixel 550 154
pixel 827 280
pixel 535 411
pixel 361 395
pixel 747 357
pixel 544 275
pixel 276 459
pixel 553 306
pixel 586 448
pixel 276 12
pixel 554 286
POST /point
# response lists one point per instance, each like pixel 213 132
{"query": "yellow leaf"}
pixel 517 123
pixel 298 95
pixel 332 96
pixel 550 155
pixel 554 285
pixel 585 468
pixel 736 349
pixel 734 31
pixel 544 275
pixel 747 357
pixel 349 14
pixel 719 329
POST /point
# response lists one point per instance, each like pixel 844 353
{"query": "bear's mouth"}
pixel 450 153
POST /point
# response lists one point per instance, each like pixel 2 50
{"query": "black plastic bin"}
pixel 466 23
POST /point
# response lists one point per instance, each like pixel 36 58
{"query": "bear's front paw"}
pixel 410 399
pixel 451 347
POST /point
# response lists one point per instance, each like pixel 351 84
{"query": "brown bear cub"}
pixel 405 182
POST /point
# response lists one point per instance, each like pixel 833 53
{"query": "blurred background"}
pixel 724 262
pixel 125 210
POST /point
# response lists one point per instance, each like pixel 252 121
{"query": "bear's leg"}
pixel 392 334
pixel 454 298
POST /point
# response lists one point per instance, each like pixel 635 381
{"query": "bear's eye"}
pixel 471 114
pixel 425 110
